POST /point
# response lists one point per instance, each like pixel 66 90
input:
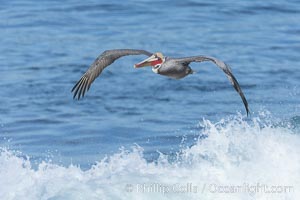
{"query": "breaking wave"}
pixel 235 159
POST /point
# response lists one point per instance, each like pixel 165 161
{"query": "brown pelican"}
pixel 176 68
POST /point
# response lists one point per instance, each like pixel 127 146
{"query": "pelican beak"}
pixel 147 62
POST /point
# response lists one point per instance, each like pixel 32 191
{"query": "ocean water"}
pixel 138 135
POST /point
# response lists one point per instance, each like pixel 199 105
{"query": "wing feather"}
pixel 104 60
pixel 226 69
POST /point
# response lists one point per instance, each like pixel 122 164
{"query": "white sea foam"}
pixel 237 160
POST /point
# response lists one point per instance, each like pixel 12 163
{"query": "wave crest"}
pixel 235 160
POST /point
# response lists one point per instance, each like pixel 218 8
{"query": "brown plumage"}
pixel 104 60
pixel 176 68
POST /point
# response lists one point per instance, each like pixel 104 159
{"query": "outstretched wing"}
pixel 224 67
pixel 104 60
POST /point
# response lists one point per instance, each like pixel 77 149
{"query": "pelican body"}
pixel 166 66
pixel 175 68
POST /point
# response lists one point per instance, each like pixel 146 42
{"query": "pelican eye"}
pixel 156 66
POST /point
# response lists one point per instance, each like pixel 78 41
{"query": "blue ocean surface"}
pixel 139 135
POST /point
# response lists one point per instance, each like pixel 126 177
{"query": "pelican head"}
pixel 155 61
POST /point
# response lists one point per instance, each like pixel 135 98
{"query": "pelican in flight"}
pixel 175 68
